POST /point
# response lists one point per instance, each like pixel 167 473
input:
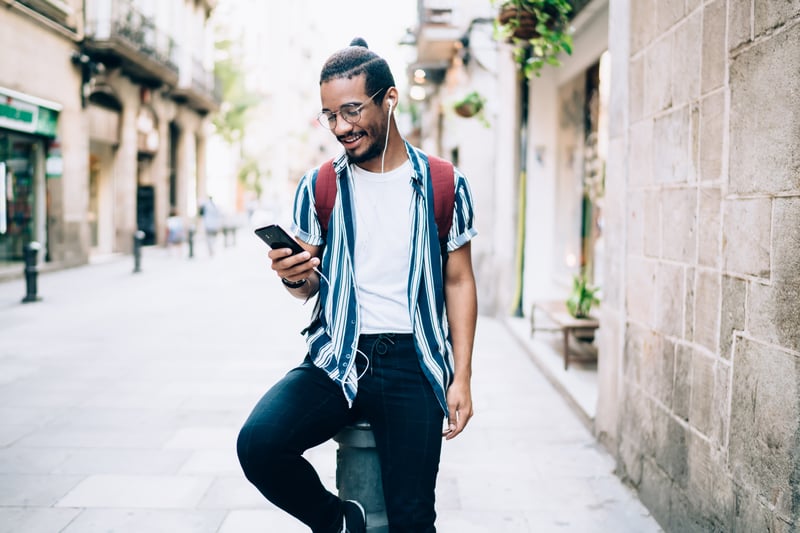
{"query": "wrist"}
pixel 462 378
pixel 293 284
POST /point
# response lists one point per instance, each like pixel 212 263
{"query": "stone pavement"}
pixel 121 396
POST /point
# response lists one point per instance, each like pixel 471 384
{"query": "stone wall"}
pixel 700 374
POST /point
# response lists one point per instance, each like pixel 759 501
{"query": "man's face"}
pixel 364 140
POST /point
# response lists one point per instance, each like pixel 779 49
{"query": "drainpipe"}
pixel 522 195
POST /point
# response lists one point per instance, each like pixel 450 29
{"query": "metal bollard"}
pixel 191 242
pixel 31 271
pixel 358 473
pixel 138 237
pixel 225 231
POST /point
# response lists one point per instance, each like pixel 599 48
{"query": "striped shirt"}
pixel 332 336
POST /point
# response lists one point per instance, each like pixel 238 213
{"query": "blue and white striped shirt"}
pixel 332 336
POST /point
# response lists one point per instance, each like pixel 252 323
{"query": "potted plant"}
pixel 471 105
pixel 582 297
pixel 539 28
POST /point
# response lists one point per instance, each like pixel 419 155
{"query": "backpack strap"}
pixel 443 176
pixel 325 194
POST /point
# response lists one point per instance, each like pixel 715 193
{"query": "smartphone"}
pixel 277 237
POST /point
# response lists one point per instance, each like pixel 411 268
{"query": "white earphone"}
pixel 386 141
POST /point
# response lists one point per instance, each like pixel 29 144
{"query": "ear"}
pixel 391 98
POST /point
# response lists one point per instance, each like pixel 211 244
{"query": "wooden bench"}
pixel 561 320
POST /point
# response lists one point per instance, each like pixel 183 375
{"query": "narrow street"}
pixel 121 396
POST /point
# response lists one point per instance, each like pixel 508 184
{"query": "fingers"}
pixel 292 267
pixel 457 421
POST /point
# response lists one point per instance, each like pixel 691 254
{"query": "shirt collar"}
pixel 340 163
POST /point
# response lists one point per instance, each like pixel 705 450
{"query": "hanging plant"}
pixel 539 29
pixel 471 105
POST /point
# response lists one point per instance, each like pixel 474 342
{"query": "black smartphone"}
pixel 277 237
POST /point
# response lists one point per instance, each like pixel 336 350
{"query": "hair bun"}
pixel 358 41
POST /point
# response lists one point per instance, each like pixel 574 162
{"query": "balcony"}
pixel 437 34
pixel 118 35
pixel 199 89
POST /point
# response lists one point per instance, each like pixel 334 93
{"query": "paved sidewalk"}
pixel 121 396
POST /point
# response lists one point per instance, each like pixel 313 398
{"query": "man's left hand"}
pixel 459 405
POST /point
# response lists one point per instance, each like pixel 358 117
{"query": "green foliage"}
pixel 250 175
pixel 232 118
pixel 472 105
pixel 582 297
pixel 539 29
pixel 473 99
pixel 234 115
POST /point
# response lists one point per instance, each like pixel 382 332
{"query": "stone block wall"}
pixel 702 405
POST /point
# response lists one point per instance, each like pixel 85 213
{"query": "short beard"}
pixel 374 150
pixel 378 136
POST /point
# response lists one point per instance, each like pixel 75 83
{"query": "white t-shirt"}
pixel 382 252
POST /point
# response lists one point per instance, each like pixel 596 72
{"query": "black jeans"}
pixel 306 408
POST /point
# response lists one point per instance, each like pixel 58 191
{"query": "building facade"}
pixel 454 54
pixel 104 123
pixel 662 156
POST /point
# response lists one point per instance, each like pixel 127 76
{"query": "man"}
pixel 381 346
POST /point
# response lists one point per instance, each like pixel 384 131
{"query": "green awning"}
pixel 29 114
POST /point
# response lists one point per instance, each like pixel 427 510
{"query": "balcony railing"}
pixel 119 33
pixel 437 33
pixel 198 88
pixel 202 79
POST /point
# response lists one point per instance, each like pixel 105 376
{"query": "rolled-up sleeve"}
pixel 305 224
pixel 462 229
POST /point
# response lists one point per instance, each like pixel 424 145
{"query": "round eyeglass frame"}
pixel 350 113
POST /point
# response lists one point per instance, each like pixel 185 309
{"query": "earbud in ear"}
pixel 391 104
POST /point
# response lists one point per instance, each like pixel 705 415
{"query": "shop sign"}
pixel 48 122
pixel 18 115
pixel 26 114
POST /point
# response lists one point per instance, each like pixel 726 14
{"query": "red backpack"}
pixel 442 174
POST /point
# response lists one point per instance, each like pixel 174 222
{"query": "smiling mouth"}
pixel 351 138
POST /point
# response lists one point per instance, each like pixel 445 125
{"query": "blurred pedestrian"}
pixel 212 222
pixel 380 344
pixel 176 232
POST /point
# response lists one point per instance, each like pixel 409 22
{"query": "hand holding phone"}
pixel 276 237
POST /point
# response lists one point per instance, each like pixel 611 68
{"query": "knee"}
pixel 243 447
pixel 259 454
pixel 250 448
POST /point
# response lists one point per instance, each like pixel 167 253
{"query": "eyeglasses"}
pixel 351 113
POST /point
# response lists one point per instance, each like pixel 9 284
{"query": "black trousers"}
pixel 306 408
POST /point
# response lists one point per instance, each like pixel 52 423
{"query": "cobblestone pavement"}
pixel 121 395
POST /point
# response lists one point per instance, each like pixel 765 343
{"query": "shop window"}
pixel 17 155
